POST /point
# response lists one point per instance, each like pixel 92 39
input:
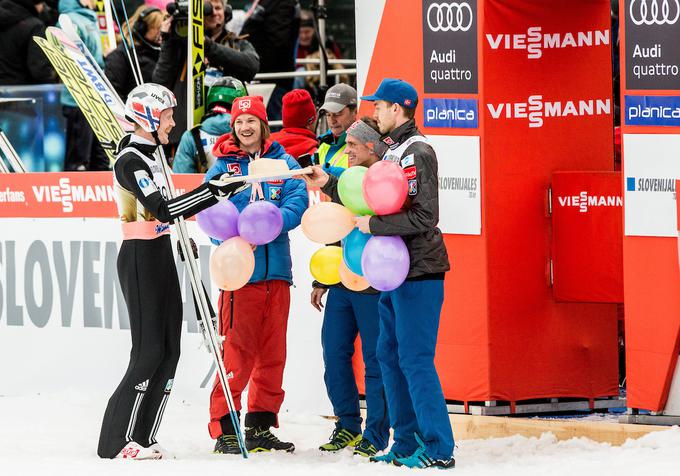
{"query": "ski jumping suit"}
pixel 254 318
pixel 348 313
pixel 409 315
pixel 148 279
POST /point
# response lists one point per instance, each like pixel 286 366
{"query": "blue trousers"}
pixel 348 313
pixel 409 322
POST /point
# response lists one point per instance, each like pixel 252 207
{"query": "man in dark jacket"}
pixel 21 59
pixel 236 58
pixel 409 315
pixel 273 29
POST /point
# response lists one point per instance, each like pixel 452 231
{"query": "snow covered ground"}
pixel 56 434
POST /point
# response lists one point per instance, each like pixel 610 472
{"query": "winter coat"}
pixel 417 224
pixel 273 30
pixel 21 59
pixel 118 67
pixel 186 159
pixel 240 61
pixel 296 141
pixel 272 261
pixel 85 22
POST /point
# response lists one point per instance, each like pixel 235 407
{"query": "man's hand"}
pixel 317 294
pixel 318 178
pixel 363 223
pixel 222 191
pixel 166 24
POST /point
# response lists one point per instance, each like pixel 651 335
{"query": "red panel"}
pixel 587 217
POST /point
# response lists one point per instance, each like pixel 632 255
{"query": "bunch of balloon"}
pixel 382 261
pixel 233 262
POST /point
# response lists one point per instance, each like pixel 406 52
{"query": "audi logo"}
pixel 654 12
pixel 453 16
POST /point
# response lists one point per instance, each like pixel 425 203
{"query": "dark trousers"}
pixel 348 313
pixel 148 279
pixel 83 151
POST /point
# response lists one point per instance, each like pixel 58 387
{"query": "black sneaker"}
pixel 228 445
pixel 259 439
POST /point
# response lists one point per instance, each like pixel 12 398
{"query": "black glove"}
pixel 222 190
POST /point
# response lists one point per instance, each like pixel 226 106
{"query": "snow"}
pixel 54 434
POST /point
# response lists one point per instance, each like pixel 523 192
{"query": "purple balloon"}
pixel 219 221
pixel 260 223
pixel 385 262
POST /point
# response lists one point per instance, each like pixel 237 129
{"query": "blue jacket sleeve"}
pixel 295 199
pixel 185 162
pixel 335 171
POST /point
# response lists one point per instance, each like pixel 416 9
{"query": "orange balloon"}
pixel 350 280
pixel 232 264
pixel 327 222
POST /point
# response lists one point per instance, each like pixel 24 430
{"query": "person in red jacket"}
pixel 299 122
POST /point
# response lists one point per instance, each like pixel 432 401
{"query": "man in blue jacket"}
pixel 254 318
pixel 340 108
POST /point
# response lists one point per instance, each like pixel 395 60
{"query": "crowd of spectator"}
pixel 267 36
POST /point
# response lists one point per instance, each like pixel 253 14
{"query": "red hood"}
pixel 225 146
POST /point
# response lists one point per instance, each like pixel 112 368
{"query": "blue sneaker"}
pixel 388 458
pixel 420 459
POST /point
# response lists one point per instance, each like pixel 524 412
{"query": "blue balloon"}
pixel 352 249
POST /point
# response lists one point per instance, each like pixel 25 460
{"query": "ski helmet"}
pixel 146 102
pixel 224 91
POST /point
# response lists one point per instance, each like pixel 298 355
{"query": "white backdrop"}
pixel 52 270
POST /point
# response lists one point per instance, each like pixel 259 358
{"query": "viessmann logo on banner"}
pixel 450 46
pixel 653 111
pixel 82 194
pixel 535 40
pixel 450 113
pixel 652 44
pixel 536 110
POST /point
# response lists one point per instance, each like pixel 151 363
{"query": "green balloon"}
pixel 350 190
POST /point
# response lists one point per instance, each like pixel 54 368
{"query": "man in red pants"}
pixel 254 318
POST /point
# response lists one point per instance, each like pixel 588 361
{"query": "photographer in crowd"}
pixel 236 57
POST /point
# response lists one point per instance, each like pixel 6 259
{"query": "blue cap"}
pixel 396 91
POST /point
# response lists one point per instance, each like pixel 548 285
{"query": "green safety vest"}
pixel 339 159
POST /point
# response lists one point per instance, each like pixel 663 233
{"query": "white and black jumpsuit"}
pixel 148 279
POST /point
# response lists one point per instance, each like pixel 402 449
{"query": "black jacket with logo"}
pixel 21 59
pixel 417 224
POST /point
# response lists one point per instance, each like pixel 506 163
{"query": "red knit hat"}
pixel 248 105
pixel 298 109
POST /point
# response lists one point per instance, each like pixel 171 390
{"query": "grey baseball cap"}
pixel 338 97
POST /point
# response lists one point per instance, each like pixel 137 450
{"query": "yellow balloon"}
pixel 325 265
pixel 350 280
pixel 232 264
pixel 327 222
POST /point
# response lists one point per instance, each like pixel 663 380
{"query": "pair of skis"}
pixel 10 155
pixel 105 113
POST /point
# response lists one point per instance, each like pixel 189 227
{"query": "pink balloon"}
pixel 385 187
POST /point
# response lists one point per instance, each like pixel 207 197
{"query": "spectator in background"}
pixel 340 107
pixel 21 59
pixel 273 29
pixel 83 151
pixel 240 61
pixel 145 29
pixel 194 154
pixel 240 56
pixel 298 135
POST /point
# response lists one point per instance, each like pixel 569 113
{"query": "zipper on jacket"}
pixel 231 310
pixel 266 262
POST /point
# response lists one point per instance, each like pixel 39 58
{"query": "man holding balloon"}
pixel 255 297
pixel 406 259
pixel 351 309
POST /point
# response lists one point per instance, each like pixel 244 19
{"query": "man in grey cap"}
pixel 340 107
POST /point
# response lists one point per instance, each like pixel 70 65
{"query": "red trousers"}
pixel 253 320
